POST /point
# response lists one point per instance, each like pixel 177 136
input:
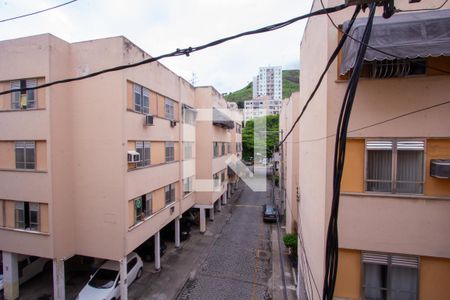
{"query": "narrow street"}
pixel 238 265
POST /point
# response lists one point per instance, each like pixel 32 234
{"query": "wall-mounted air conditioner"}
pixel 173 123
pixel 148 120
pixel 440 168
pixel 134 157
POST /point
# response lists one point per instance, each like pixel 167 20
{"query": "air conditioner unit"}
pixel 148 120
pixel 440 168
pixel 134 157
pixel 173 123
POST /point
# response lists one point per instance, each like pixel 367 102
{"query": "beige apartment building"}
pixel 289 169
pixel 95 167
pixel 218 128
pixel 394 207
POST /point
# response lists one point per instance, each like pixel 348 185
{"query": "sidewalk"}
pixel 177 264
pixel 281 263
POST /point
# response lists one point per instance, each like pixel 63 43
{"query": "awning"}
pixel 407 35
pixel 222 120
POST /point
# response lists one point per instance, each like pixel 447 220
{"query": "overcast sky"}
pixel 160 26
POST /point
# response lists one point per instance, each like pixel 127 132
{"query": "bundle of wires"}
pixel 331 254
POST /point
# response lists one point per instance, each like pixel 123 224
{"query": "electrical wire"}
pixel 332 238
pixel 185 51
pixel 37 12
pixel 324 72
pixel 376 123
pixel 423 9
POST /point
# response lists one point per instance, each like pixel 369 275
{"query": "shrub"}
pixel 290 240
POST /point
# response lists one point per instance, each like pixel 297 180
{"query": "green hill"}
pixel 290 85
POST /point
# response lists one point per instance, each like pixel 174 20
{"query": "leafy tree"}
pixel 261 141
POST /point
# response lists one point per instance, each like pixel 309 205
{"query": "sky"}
pixel 160 26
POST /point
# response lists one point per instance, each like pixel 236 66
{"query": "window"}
pixel 170 151
pixel 131 264
pixel 189 115
pixel 25 155
pixel 143 148
pixel 27 216
pixel 23 99
pixel 188 153
pixel 229 147
pixel 169 191
pixel 141 97
pixel 222 176
pixel 142 207
pixel 216 149
pixel 169 109
pixel 188 185
pixel 395 166
pixel 223 149
pixel 390 277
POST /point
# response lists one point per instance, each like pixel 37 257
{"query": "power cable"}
pixel 329 63
pixel 37 12
pixel 423 9
pixel 185 51
pixel 376 123
pixel 331 249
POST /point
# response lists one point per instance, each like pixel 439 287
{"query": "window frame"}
pixel 23 146
pixel 169 109
pixel 27 210
pixel 389 266
pixel 169 151
pixel 143 93
pixel 170 188
pixel 31 95
pixel 141 148
pixel 394 165
pixel 188 181
pixel 186 146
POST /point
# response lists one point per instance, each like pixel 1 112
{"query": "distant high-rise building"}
pixel 268 83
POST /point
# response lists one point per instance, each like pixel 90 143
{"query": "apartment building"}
pixel 261 106
pixel 394 205
pixel 289 169
pixel 268 83
pixel 215 127
pixel 93 167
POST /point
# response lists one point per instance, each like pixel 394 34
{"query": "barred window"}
pixel 170 151
pixel 26 155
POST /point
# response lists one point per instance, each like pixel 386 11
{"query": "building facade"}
pixel 393 215
pixel 94 167
pixel 268 82
pixel 259 107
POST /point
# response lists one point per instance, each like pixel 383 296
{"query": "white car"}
pixel 28 267
pixel 104 284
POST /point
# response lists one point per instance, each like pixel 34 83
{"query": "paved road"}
pixel 238 265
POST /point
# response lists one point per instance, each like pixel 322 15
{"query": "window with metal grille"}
pixel 169 109
pixel 390 277
pixel 170 151
pixel 27 215
pixel 23 99
pixel 395 166
pixel 143 148
pixel 169 191
pixel 141 99
pixel 26 155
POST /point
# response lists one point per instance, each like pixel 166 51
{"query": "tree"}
pixel 261 141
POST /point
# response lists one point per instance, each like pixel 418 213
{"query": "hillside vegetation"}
pixel 290 85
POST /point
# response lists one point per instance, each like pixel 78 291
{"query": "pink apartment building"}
pixel 96 167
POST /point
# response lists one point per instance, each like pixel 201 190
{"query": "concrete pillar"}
pixel 219 204
pixel 224 200
pixel 123 284
pixel 157 252
pixel 177 232
pixel 202 220
pixel 59 283
pixel 10 276
pixel 211 213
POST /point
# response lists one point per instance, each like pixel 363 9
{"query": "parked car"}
pixel 28 267
pixel 147 249
pixel 104 283
pixel 270 213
